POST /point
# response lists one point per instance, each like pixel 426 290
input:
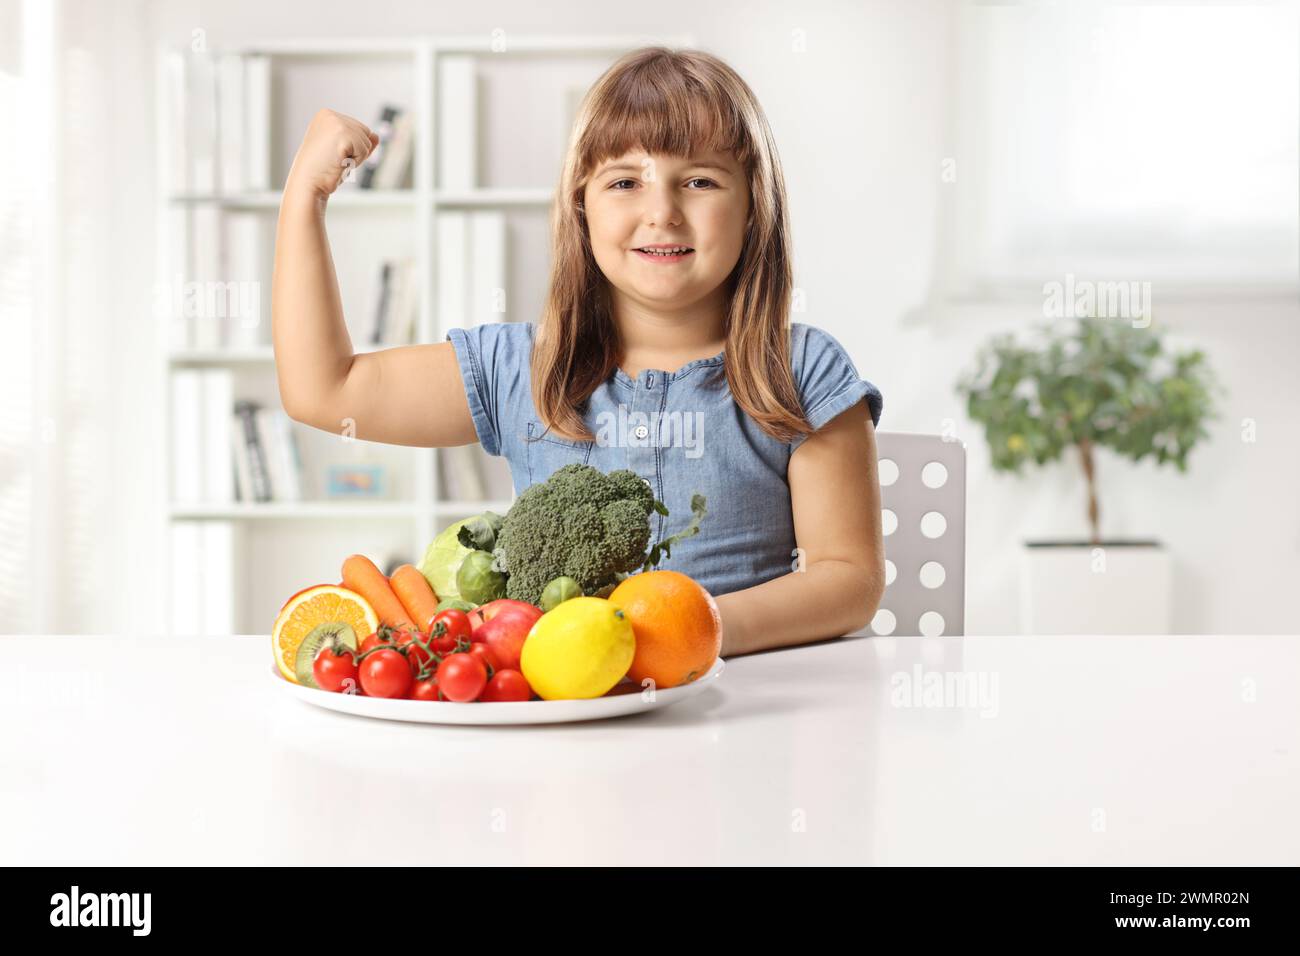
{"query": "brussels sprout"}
pixel 558 591
pixel 478 581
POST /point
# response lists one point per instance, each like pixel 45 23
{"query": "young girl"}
pixel 664 347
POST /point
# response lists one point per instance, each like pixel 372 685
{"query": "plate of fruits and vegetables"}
pixel 442 643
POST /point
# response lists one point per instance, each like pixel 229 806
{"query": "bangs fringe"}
pixel 657 107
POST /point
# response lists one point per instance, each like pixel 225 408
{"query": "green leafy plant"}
pixel 1098 382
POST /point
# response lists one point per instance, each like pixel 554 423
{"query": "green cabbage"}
pixel 442 559
pixel 445 554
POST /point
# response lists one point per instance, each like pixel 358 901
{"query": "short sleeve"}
pixel 491 357
pixel 827 379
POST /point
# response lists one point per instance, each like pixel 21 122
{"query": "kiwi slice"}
pixel 323 635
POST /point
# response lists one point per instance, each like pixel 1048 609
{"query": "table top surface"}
pixel 1174 750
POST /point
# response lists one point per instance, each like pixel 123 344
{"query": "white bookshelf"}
pixel 414 517
pixel 362 199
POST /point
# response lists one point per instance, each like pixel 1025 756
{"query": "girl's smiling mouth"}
pixel 664 253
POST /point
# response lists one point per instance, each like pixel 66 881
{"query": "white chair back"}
pixel 923 497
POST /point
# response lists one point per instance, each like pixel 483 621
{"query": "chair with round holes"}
pixel 923 500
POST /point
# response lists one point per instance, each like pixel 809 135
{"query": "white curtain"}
pixel 79 455
pixel 1127 141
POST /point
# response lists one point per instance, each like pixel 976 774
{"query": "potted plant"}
pixel 1083 386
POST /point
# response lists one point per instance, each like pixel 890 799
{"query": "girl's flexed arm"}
pixel 406 396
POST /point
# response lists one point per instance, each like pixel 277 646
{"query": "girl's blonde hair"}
pixel 679 103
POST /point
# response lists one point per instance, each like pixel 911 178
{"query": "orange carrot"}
pixel 361 575
pixel 413 590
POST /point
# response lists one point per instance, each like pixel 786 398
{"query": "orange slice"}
pixel 312 607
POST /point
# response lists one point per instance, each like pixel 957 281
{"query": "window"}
pixel 1127 141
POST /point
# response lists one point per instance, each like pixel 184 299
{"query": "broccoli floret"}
pixel 580 523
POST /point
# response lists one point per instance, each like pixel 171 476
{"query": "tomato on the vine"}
pixel 413 643
pixel 386 636
pixel 448 627
pixel 386 673
pixel 333 668
pixel 506 685
pixel 462 677
pixel 484 654
pixel 426 689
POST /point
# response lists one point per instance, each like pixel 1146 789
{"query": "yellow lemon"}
pixel 578 650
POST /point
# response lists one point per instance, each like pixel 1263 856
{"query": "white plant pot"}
pixel 1078 588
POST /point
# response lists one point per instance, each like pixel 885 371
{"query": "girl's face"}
pixel 640 200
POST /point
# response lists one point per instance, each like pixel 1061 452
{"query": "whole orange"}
pixel 677 626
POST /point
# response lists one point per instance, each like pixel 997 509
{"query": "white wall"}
pixel 859 120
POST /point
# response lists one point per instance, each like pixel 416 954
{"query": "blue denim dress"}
pixel 681 431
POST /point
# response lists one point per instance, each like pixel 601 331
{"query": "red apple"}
pixel 502 625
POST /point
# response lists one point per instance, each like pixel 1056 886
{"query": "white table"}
pixel 1089 750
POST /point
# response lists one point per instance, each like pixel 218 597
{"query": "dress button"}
pixel 641 431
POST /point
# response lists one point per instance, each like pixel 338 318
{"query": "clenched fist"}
pixel 333 146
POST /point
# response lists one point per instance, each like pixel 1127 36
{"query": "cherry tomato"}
pixel 332 670
pixel 447 627
pixel 382 636
pixel 385 673
pixel 425 689
pixel 484 653
pixel 415 654
pixel 506 685
pixel 462 677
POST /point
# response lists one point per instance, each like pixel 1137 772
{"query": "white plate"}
pixel 626 698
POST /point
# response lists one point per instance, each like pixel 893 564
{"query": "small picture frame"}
pixel 356 481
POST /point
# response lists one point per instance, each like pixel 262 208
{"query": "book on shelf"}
pixel 225 450
pixel 248 244
pixel 365 176
pixel 187 436
pixel 231 136
pixel 200 84
pixel 216 293
pixel 173 265
pixel 243 125
pixel 385 296
pixel 267 461
pixel 457 132
pixel 394 170
pixel 214 123
pixel 389 164
pixel 172 157
pixel 250 457
pixel 257 122
pixel 205 291
pixel 275 435
pixel 471 268
pixel 487 266
pixel 217 396
pixel 224 299
pixel 202 470
pixel 214 128
pixel 397 305
pixel 202 592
